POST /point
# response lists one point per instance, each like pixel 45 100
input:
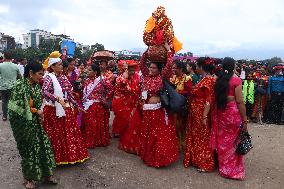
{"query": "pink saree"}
pixel 231 165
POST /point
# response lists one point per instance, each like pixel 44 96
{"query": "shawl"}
pixel 20 99
pixel 60 112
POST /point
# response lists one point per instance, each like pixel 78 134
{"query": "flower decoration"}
pixel 209 61
pixel 159 29
pixel 218 68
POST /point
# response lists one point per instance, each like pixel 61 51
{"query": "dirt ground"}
pixel 112 168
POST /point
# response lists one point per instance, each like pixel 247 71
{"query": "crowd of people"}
pixel 59 112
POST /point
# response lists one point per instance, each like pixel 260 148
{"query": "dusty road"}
pixel 112 168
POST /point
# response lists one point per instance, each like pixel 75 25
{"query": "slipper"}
pixel 51 181
pixel 29 185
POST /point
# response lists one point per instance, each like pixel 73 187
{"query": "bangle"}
pixel 245 121
pixel 205 117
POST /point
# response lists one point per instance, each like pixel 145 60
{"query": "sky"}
pixel 237 28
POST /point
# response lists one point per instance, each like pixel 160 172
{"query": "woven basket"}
pixel 103 55
pixel 157 54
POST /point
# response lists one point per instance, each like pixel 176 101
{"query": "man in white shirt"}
pixel 21 65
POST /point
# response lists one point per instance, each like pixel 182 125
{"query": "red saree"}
pixel 95 123
pixel 127 116
pixel 65 136
pixel 158 140
pixel 198 151
pixel 63 132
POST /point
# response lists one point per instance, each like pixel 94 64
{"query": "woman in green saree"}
pixel 25 119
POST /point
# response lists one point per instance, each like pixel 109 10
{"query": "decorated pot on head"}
pixel 157 53
pixel 158 31
pixel 103 55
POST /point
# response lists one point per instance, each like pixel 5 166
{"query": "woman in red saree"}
pixel 231 113
pixel 118 107
pixel 97 92
pixel 198 151
pixel 60 122
pixel 158 140
pixel 128 86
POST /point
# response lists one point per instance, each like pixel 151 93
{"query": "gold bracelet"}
pixel 245 121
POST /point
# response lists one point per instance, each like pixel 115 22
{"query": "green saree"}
pixel 33 144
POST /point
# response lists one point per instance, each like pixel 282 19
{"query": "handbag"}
pixel 165 99
pixel 245 144
pixel 171 99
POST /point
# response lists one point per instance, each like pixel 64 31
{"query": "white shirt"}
pixel 243 75
pixel 21 69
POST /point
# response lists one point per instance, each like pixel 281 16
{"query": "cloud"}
pixel 4 9
pixel 204 26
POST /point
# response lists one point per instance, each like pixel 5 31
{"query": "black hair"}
pixel 65 63
pixel 96 68
pixel 8 55
pixel 181 65
pixel 209 68
pixel 21 59
pixel 218 61
pixel 32 66
pixel 159 65
pixel 81 62
pixel 222 83
pixel 192 65
pixel 70 59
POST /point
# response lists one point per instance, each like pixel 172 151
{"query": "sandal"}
pixel 50 180
pixel 202 171
pixel 29 185
pixel 4 119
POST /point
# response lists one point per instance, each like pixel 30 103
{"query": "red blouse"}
pixel 102 92
pixel 124 87
pixel 48 90
pixel 153 84
pixel 204 90
pixel 233 83
pixel 127 89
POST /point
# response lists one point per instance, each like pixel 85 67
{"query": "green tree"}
pixel 273 61
pixel 78 53
pixel 18 54
pixel 86 55
pixel 49 45
pixel 97 47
